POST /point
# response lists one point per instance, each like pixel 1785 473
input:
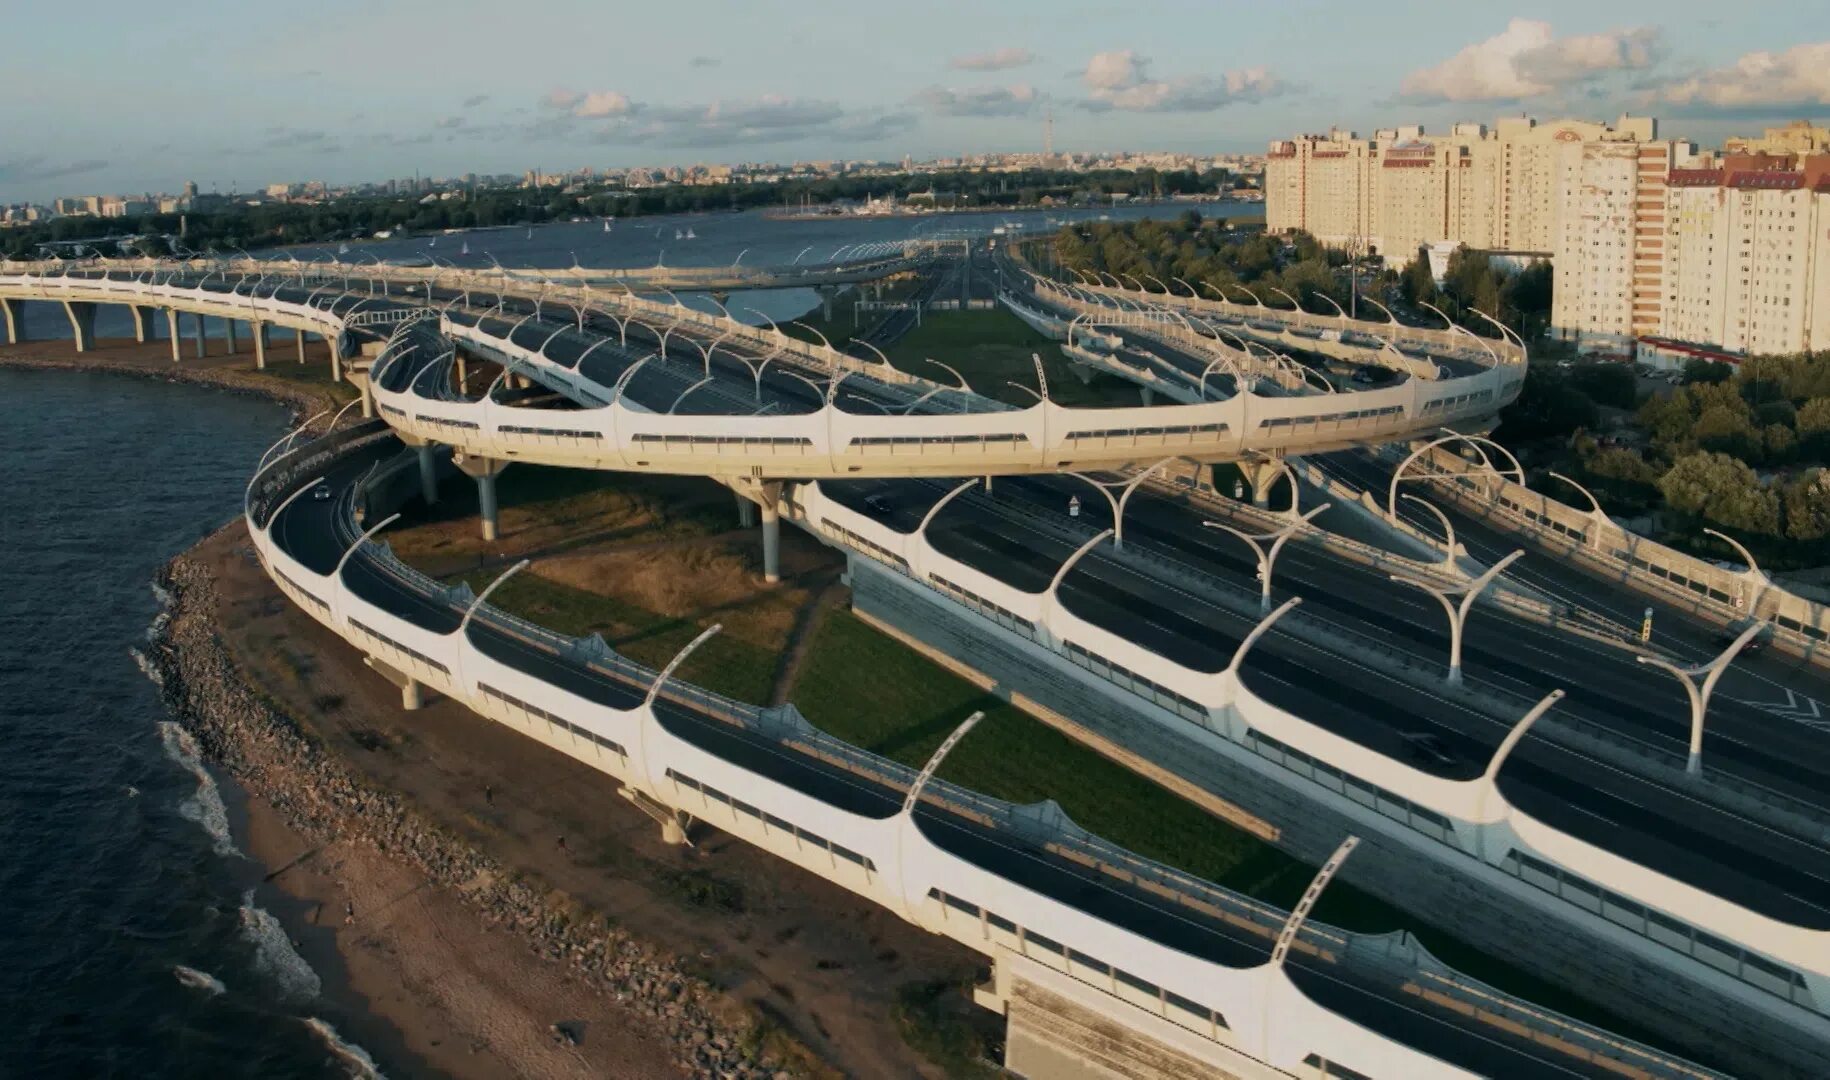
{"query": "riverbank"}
pixel 478 945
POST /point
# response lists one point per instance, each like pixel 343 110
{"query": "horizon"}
pixel 344 103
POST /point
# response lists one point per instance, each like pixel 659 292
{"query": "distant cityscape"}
pixel 1246 167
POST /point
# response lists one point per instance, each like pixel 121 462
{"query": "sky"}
pixel 118 96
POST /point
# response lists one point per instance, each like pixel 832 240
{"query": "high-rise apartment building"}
pixel 1609 250
pixel 1797 137
pixel 1491 188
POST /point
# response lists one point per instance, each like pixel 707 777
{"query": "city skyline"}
pixel 340 103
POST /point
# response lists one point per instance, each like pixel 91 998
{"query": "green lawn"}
pixel 993 348
pixel 726 664
pixel 870 690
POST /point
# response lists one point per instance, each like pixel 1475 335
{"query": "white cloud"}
pixel 1528 60
pixel 561 98
pixel 601 103
pixel 1014 100
pixel 996 60
pixel 1797 77
pixel 1120 79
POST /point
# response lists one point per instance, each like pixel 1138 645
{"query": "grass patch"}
pixel 703 890
pixel 727 664
pixel 315 374
pixel 993 348
pixel 932 1019
pixel 865 687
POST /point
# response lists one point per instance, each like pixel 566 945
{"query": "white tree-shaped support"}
pixel 1267 555
pixel 1448 527
pixel 1699 693
pixel 1458 613
pixel 1125 488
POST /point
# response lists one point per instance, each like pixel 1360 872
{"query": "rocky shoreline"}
pixel 321 798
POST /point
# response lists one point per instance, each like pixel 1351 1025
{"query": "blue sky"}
pixel 113 96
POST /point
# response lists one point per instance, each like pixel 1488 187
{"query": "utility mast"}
pixel 1048 134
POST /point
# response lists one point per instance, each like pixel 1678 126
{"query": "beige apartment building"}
pixel 1491 188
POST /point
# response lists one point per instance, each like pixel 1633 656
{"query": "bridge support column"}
pixel 82 323
pixel 368 398
pixel 772 532
pixel 12 312
pixel 198 336
pixel 1148 394
pixel 336 358
pixel 746 512
pixel 228 331
pixel 1261 475
pixel 143 330
pixel 259 333
pixel 412 695
pixel 176 334
pixel 298 338
pixel 827 292
pixel 428 473
pixel 484 471
pixel 463 374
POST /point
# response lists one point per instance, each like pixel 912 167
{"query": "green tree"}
pixel 1722 490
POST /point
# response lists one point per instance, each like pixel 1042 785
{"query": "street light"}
pixel 1458 614
pixel 363 539
pixel 1698 695
pixel 1126 488
pixel 1267 556
pixel 1448 527
pixel 1753 572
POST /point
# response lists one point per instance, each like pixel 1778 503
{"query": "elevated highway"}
pixel 1190 684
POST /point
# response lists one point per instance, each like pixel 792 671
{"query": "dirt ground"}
pixel 816 963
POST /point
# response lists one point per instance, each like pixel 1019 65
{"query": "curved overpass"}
pixel 1170 957
pixel 413 385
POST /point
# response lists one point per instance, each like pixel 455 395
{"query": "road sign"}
pixel 1073 506
pixel 1645 627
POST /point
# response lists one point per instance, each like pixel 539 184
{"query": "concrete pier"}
pixel 176 335
pixel 228 332
pixel 197 335
pixel 746 512
pixel 12 313
pixel 298 337
pixel 772 535
pixel 260 332
pixel 484 471
pixel 82 323
pixel 428 473
pixel 1261 475
pixel 143 329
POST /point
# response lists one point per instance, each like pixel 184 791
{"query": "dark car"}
pixel 1428 749
pixel 1727 638
pixel 321 493
pixel 878 505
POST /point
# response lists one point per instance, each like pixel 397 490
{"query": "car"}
pixel 1727 638
pixel 1428 749
pixel 321 493
pixel 878 505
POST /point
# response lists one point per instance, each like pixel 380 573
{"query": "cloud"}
pixel 704 62
pixel 1799 77
pixel 1016 100
pixel 1120 79
pixel 1527 60
pixel 279 138
pixel 560 98
pixel 36 167
pixel 450 123
pixel 474 100
pixel 725 123
pixel 996 60
pixel 602 103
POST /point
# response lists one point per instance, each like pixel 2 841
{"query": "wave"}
pixel 198 980
pixel 147 667
pixel 204 806
pixel 161 594
pixel 274 955
pixel 353 1058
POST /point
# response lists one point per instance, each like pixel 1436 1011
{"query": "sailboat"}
pixel 466 249
pixel 607 224
pixel 678 235
pixel 689 233
pixel 434 242
pixel 530 234
pixel 343 249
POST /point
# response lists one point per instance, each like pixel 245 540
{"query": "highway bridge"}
pixel 1296 702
